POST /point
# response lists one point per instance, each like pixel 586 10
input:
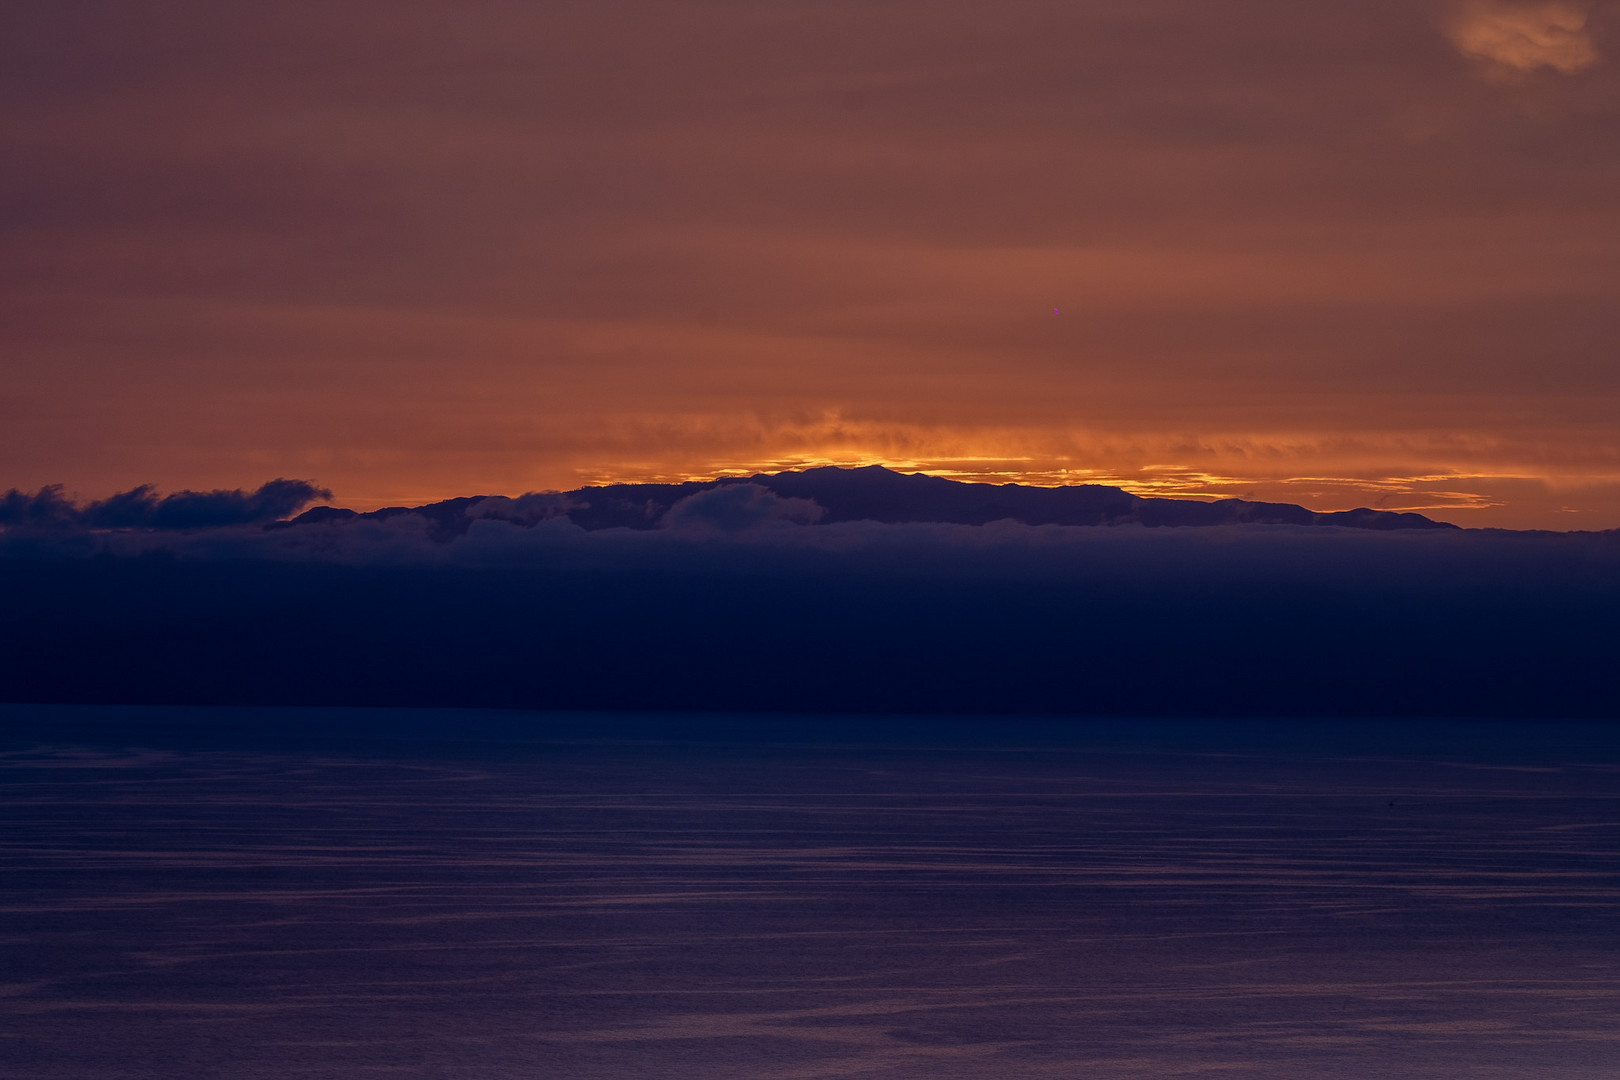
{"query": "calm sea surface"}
pixel 361 893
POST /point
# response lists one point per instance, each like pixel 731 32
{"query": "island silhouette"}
pixel 832 494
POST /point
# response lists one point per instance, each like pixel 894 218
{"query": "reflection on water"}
pixel 289 894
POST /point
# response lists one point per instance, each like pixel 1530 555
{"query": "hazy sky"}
pixel 1337 253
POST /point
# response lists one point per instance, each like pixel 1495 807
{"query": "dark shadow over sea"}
pixel 309 893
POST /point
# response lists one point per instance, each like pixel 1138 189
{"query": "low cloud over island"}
pixel 788 593
pixel 140 519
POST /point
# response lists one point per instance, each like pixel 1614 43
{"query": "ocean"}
pixel 292 893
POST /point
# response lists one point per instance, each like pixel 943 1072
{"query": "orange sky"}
pixel 1334 253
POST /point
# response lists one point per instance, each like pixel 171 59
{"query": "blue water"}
pixel 376 893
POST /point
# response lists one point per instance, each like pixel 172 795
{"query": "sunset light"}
pixel 1169 249
pixel 810 539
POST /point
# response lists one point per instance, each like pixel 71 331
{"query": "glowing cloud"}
pixel 1524 37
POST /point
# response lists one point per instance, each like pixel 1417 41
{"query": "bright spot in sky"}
pixel 1525 36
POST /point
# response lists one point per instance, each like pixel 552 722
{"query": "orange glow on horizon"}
pixel 1135 245
pixel 1153 481
pixel 1474 498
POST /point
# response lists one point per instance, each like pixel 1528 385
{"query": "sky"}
pixel 1338 253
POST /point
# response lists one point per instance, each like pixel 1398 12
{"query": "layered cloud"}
pixel 419 249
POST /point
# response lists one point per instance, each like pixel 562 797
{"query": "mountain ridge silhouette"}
pixel 877 493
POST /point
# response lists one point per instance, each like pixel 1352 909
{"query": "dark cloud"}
pixel 143 508
pixel 46 508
